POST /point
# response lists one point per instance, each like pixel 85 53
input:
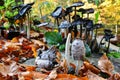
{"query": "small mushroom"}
pixel 78 21
pixel 56 14
pixel 83 11
pixel 64 26
pixel 89 11
pixel 47 59
pixel 75 5
pixel 68 11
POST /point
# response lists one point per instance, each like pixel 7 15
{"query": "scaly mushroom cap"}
pixel 78 49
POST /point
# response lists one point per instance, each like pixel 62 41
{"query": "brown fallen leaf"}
pixel 105 65
pixel 52 75
pixel 115 77
pixel 15 40
pixel 10 68
pixel 92 76
pixel 69 77
pixel 87 66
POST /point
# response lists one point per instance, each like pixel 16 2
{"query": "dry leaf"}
pixel 105 65
pixel 9 69
pixel 32 75
pixel 34 52
pixel 115 77
pixel 91 67
pixel 87 66
pixel 69 77
pixel 92 76
pixel 15 40
pixel 52 75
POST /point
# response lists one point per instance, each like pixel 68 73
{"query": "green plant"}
pixel 114 54
pixel 6 9
pixel 55 38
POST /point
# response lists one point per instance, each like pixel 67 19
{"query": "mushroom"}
pixel 57 14
pixel 64 27
pixel 83 11
pixel 77 4
pixel 88 25
pixel 47 59
pixel 68 11
pixel 75 23
pixel 93 42
pixel 78 52
pixel 89 11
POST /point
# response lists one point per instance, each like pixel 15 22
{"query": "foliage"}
pixel 53 38
pixel 114 54
pixel 6 9
pixel 110 11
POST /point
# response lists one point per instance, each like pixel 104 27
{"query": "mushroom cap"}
pixel 65 24
pixel 90 10
pixel 88 24
pixel 68 10
pixel 108 34
pixel 97 26
pixel 78 4
pixel 77 22
pixel 42 24
pixel 57 12
pixel 82 10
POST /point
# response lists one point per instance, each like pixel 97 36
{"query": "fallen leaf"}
pixel 105 65
pixel 91 67
pixel 34 52
pixel 69 77
pixel 52 75
pixel 9 69
pixel 115 77
pixel 87 66
pixel 15 40
pixel 92 76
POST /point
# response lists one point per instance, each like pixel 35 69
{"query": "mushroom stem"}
pixel 67 49
pixel 77 67
pixel 28 27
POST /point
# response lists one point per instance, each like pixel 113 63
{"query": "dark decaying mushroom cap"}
pixel 57 12
pixel 77 22
pixel 97 26
pixel 88 24
pixel 78 4
pixel 90 10
pixel 68 10
pixel 83 11
pixel 108 34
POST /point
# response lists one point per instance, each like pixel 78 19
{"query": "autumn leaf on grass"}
pixel 105 65
pixel 92 76
pixel 9 69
